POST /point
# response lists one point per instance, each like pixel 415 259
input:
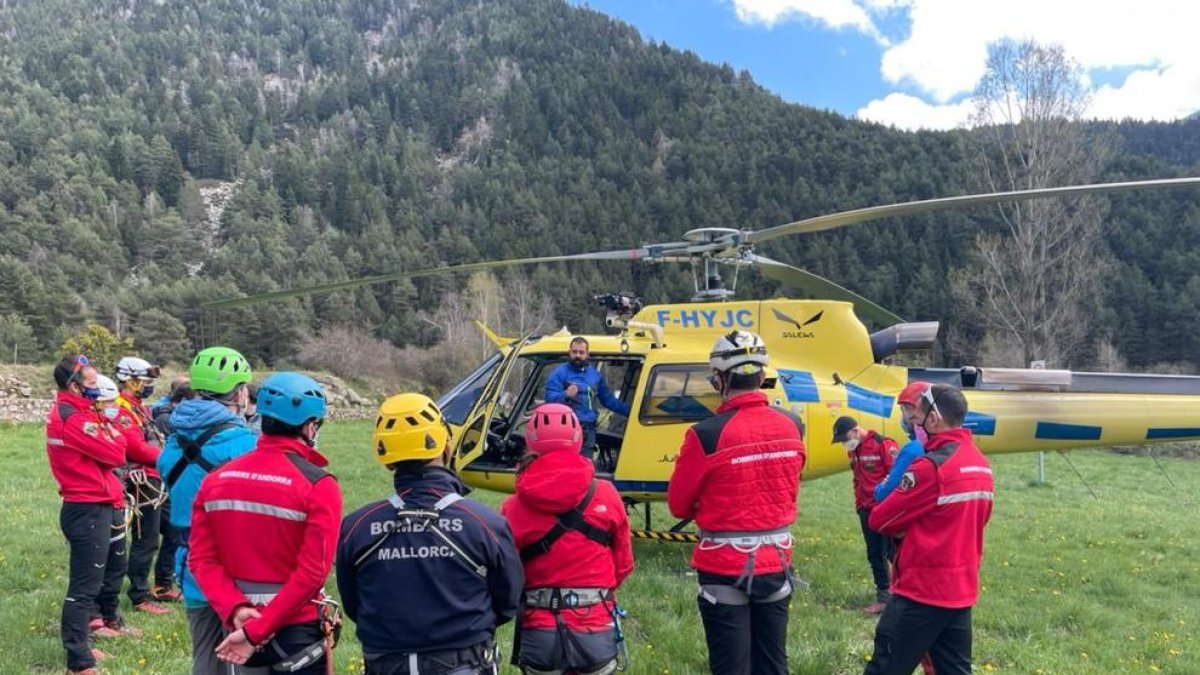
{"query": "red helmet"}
pixel 553 427
pixel 911 395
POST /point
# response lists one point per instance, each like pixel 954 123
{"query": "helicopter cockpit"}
pixel 523 391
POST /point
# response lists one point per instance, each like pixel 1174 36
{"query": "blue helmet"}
pixel 291 398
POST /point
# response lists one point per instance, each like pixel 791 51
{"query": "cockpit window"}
pixel 456 404
pixel 679 393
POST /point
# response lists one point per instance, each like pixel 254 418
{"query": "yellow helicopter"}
pixel 824 364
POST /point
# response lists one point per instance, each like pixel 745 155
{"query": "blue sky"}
pixel 913 63
pixel 799 60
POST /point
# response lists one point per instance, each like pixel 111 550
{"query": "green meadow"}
pixel 1071 583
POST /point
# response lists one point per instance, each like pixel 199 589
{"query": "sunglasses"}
pixel 81 362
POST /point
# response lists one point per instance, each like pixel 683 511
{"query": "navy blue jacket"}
pixel 411 594
pixel 591 386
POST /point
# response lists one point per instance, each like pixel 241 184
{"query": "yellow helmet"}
pixel 409 426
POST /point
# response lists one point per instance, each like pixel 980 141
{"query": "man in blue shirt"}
pixel 578 384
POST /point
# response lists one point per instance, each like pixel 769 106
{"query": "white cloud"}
pixel 945 51
pixel 836 14
pixel 909 112
pixel 1154 94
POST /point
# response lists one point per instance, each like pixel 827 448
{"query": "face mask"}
pixel 110 413
pixel 146 392
pixel 908 430
pixel 851 444
pixel 91 393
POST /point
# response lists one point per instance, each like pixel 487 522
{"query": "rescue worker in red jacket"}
pixel 84 451
pixel 264 531
pixel 738 476
pixel 574 539
pixel 940 509
pixel 870 456
pixel 135 377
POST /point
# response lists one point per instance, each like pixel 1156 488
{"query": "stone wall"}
pixel 21 403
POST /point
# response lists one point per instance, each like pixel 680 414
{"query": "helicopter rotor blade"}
pixel 835 220
pixel 820 287
pixel 627 254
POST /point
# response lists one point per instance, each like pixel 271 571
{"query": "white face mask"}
pixel 851 444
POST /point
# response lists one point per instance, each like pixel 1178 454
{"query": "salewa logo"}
pixel 799 332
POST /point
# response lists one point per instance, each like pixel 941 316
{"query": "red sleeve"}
pixel 622 539
pixel 889 451
pixel 204 561
pixel 137 450
pixel 916 496
pixel 512 513
pixel 312 565
pixel 688 478
pixel 94 440
pixel 855 481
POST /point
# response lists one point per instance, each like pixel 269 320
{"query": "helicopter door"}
pixel 474 439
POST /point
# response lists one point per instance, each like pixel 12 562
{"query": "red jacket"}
pixel 264 531
pixel 870 463
pixel 556 483
pixel 133 419
pixel 83 451
pixel 739 471
pixel 941 507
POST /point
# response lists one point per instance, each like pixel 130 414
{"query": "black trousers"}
pixel 97 565
pixel 144 535
pixel 907 629
pixel 476 660
pixel 748 639
pixel 555 650
pixel 879 554
pixel 589 440
pixel 164 566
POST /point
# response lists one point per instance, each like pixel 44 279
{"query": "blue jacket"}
pixel 190 419
pixel 908 452
pixel 411 592
pixel 591 386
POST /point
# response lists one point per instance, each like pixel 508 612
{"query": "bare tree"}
pixel 510 308
pixel 1035 283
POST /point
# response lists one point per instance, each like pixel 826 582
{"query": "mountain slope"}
pixel 369 136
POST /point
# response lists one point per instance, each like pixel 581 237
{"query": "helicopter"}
pixel 823 364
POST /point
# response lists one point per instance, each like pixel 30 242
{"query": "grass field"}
pixel 1071 584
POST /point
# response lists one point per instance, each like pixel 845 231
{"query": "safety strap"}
pixel 721 594
pixel 329 619
pixel 571 520
pixel 192 453
pixel 258 592
pixel 749 543
pixel 745 542
pixel 569 598
pixel 429 519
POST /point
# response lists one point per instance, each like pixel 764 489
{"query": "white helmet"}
pixel 131 367
pixel 741 351
pixel 108 388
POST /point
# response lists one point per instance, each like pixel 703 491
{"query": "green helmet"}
pixel 218 370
